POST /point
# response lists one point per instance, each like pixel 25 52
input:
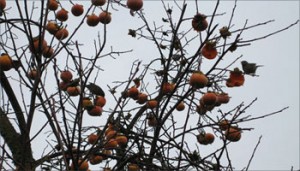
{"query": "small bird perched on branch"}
pixel 95 89
pixel 249 68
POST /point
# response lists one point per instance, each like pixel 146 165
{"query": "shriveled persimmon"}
pixel 199 22
pixel 135 5
pixel 198 80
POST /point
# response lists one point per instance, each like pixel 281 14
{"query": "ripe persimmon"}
pixel 66 76
pixel 152 121
pixel 77 10
pixel 107 169
pixel 63 86
pixel 100 101
pixel 135 5
pixel 167 88
pixel 209 98
pixel 6 62
pixel 92 20
pixel 61 34
pixel 121 139
pixel 110 134
pixel 223 98
pixel 82 165
pixel 105 17
pixel 201 109
pixel 198 80
pixel 233 134
pixel 133 167
pixel 95 111
pixel 180 106
pixel 209 50
pixel 133 92
pixel 92 138
pixel 224 124
pixel 52 5
pixel 2 4
pixel 98 2
pixel 48 52
pixel 236 78
pixel 39 45
pixel 112 143
pixel 205 138
pixel 151 104
pixel 199 22
pixel 95 159
pixel 73 90
pixel 106 153
pixel 52 27
pixel 32 74
pixel 142 98
pixel 62 15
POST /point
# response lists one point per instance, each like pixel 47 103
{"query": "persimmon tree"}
pixel 51 86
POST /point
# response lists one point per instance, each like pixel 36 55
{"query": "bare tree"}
pixel 50 84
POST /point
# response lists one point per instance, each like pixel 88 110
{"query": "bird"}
pixel 249 68
pixel 95 89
